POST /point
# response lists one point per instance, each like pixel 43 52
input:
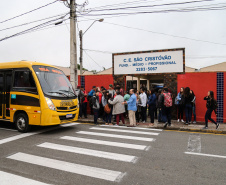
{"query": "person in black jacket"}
pixel 95 106
pixel 188 97
pixel 211 106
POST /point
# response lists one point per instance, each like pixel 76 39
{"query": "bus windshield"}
pixel 54 82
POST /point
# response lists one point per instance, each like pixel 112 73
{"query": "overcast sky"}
pixel 201 33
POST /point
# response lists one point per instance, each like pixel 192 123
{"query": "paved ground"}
pixel 198 127
pixel 89 154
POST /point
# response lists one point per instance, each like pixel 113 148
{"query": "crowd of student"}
pixel 115 105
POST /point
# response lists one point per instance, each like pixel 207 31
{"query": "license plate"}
pixel 69 116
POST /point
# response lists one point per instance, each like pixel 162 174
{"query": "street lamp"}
pixel 100 20
pixel 81 49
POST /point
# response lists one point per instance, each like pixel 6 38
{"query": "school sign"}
pixel 149 62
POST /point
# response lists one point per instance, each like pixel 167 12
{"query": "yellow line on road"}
pixel 88 123
pixel 196 132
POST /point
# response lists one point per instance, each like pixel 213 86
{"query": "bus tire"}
pixel 21 122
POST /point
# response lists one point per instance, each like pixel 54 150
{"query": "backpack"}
pixel 107 109
pixel 168 102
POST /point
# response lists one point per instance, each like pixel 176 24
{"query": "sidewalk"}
pixel 198 127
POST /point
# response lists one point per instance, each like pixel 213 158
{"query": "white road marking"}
pixel 69 124
pixel 89 171
pixel 13 138
pixel 117 136
pixel 207 155
pixel 139 128
pixel 125 131
pixel 8 178
pixel 95 153
pixel 194 143
pixel 20 136
pixel 108 143
pixel 8 129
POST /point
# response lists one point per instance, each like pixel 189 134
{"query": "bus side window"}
pixel 24 81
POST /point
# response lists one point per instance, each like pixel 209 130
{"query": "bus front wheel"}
pixel 21 122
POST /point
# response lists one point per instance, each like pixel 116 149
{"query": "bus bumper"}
pixel 50 117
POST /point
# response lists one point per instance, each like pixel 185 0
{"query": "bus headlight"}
pixel 50 104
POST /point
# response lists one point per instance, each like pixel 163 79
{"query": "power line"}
pixel 27 12
pixel 135 7
pixel 48 23
pixel 161 11
pixel 181 9
pixel 47 27
pixel 113 15
pixel 163 33
pixel 153 32
pixel 106 52
pixel 24 24
pixel 92 59
pixel 127 3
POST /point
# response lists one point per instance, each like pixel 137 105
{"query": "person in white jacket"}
pixel 118 107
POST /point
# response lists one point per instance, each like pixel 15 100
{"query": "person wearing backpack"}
pixel 95 106
pixel 90 95
pixel 211 105
pixel 80 97
pixel 167 106
pixel 188 97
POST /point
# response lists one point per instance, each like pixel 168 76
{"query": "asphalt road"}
pixel 87 154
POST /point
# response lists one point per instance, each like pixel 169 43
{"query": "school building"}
pixel 199 80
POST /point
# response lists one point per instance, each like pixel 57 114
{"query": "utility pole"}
pixel 81 52
pixel 73 46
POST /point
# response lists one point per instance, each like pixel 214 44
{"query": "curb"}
pixel 168 128
pixel 192 130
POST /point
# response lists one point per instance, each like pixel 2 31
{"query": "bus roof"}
pixel 22 64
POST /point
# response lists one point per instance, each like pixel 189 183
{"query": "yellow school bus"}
pixel 33 93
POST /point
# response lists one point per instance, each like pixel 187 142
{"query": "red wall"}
pixel 200 83
pixel 98 81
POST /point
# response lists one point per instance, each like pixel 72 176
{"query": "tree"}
pixel 82 68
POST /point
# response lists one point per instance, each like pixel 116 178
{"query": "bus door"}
pixel 5 86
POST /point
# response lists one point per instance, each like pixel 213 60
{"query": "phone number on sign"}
pixel 146 69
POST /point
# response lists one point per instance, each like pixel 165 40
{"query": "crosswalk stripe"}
pixel 8 178
pixel 13 138
pixel 135 128
pixel 96 153
pixel 125 131
pixel 108 143
pixel 89 171
pixel 69 124
pixel 20 136
pixel 116 136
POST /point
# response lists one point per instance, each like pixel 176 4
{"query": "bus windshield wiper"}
pixel 59 93
pixel 68 92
